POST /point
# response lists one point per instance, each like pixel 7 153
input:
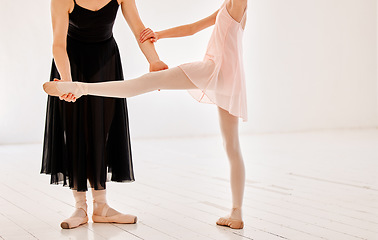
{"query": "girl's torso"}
pixel 229 10
pixel 227 35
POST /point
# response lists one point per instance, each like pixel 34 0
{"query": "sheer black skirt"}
pixel 88 139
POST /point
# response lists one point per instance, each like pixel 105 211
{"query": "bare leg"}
pixel 229 125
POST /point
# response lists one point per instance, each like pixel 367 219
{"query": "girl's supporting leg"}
pixel 173 78
pixel 80 216
pixel 229 125
pixel 105 214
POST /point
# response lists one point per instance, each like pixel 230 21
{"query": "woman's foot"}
pixel 234 220
pixel 105 214
pixel 79 217
pixel 59 88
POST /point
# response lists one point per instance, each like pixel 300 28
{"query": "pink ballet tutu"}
pixel 220 76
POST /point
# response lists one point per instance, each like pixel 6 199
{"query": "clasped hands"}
pixel 146 35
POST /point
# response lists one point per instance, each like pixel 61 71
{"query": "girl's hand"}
pixel 67 97
pixel 148 34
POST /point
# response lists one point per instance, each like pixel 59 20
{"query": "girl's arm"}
pixel 180 31
pixel 132 18
pixel 189 29
pixel 60 16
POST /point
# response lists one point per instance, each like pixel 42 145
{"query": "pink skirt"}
pixel 227 93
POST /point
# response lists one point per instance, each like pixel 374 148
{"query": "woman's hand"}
pixel 158 66
pixel 148 34
pixel 66 97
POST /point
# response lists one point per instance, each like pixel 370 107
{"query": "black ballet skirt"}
pixel 89 139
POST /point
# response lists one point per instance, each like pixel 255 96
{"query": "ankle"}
pixel 84 207
pixel 98 207
pixel 99 201
pixel 83 88
pixel 80 200
pixel 81 204
pixel 236 213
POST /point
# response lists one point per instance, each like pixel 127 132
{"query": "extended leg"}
pixel 173 78
pixel 229 126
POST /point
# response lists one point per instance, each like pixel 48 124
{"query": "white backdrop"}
pixel 310 64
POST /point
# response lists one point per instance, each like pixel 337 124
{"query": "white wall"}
pixel 310 64
pixel 25 61
pixel 313 64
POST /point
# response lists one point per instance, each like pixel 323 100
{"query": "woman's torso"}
pixel 87 25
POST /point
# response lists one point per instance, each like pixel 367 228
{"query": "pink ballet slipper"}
pixel 118 218
pixel 229 222
pixel 74 221
pixel 58 88
pixel 52 89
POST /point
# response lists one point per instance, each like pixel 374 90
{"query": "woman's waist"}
pixel 89 40
pixel 90 36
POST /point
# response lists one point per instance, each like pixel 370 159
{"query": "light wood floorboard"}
pixel 300 186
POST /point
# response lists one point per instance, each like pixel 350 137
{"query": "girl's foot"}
pixel 234 220
pixel 105 214
pixel 59 88
pixel 79 217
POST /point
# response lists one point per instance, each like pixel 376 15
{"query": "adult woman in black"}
pixel 89 140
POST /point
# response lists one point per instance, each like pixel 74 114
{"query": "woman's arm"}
pixel 60 10
pixel 180 31
pixel 131 15
pixel 60 16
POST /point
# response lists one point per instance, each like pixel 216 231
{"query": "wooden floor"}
pixel 304 186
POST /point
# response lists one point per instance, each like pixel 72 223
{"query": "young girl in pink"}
pixel 218 79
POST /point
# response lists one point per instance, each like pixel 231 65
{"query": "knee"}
pixel 231 145
pixel 153 80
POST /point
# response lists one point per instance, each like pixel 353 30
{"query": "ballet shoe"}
pixel 118 218
pixel 74 222
pixel 229 222
pixel 58 88
pixel 52 89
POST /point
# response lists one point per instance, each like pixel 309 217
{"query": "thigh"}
pixel 229 124
pixel 173 78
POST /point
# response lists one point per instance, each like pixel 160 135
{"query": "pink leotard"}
pixel 220 76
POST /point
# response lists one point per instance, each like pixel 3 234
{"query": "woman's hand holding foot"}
pixel 67 97
pixel 65 90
